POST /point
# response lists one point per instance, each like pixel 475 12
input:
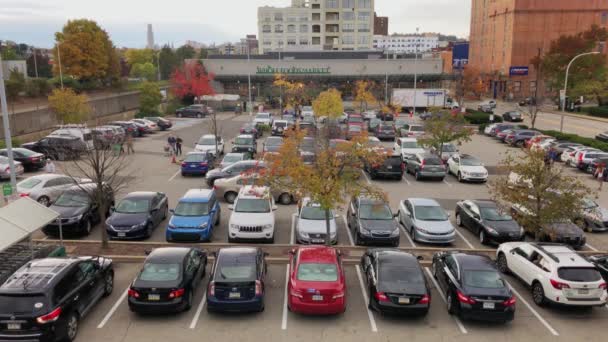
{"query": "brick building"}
pixel 507 34
pixel 380 25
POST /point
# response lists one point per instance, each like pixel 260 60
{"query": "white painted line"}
pixel 458 322
pixel 405 179
pixel 538 316
pixel 199 309
pixel 113 309
pixel 366 178
pixel 591 247
pixel 46 237
pixel 352 243
pixel 372 321
pixel 175 175
pixel 465 239
pixel 284 320
pixel 293 228
pixel 448 183
pixel 407 234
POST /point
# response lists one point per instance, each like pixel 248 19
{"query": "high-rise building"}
pixel 406 43
pixel 317 25
pixel 150 42
pixel 380 25
pixel 507 34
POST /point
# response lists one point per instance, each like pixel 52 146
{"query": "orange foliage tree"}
pixel 192 81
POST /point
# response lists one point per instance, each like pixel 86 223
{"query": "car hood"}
pixel 474 169
pixel 251 219
pixel 503 226
pixel 411 150
pixel 188 221
pixel 217 173
pixel 316 226
pixel 120 219
pixel 565 228
pixel 435 226
pixel 399 288
pixel 206 147
pixel 66 212
pixel 379 225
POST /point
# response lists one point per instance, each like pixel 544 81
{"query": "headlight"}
pixel 364 231
pixel 267 226
pixel 171 225
pixel 234 226
pixel 136 226
pixel 75 218
pixel 303 234
pixel 204 225
pixel 422 230
pixel 491 231
pixel 395 232
pixel 110 226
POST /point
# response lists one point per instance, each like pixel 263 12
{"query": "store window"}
pixel 532 86
pixel 517 86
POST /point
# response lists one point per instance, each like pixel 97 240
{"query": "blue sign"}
pixel 518 71
pixel 460 55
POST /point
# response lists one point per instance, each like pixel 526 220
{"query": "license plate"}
pixel 234 295
pixel 122 234
pixel 583 291
pixel 389 167
pixel 488 305
pixel 404 300
pixel 317 298
pixel 193 166
pixel 13 326
pixel 317 241
pixel 153 297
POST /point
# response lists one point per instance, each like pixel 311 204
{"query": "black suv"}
pixel 196 111
pixel 245 143
pixel 391 167
pixel 372 222
pixel 58 147
pixel 46 298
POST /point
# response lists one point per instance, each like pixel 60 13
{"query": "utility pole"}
pixel 7 130
pixel 415 73
pixel 250 104
pixel 158 65
pixel 59 60
pixel 35 62
pixel 386 80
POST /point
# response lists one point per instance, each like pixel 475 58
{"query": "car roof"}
pixel 281 121
pixel 473 261
pixel 38 274
pixel 426 155
pixel 467 156
pixel 562 254
pixel 166 254
pixel 141 194
pixel 320 254
pixel 245 136
pixel 423 201
pixel 237 251
pixel 484 203
pixel 254 191
pixel 196 195
pixel 395 256
pixel 208 136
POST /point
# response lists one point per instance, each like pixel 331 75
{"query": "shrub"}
pixel 36 87
pixel 68 82
pixel 475 117
pixel 591 142
pixel 601 112
pixel 16 142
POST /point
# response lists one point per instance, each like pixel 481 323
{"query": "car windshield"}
pixel 430 213
pixel 196 158
pixel 483 279
pixel 317 272
pixel 280 124
pixel 236 272
pixel 274 142
pixel 263 116
pixel 355 119
pixel 468 161
pixel 374 142
pixel 72 199
pixel 492 214
pixel 409 144
pixel 386 127
pixel 376 211
pixel 589 204
pixel 252 205
pixel 159 272
pixel 416 128
pixel 579 274
pixel 314 213
pixel 449 148
pixel 207 141
pixel 29 183
pixel 397 274
pixel 248 127
pixel 354 128
pixel 232 158
pixel 192 209
pixel 243 141
pixel 133 206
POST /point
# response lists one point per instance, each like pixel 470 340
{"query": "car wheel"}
pixel 460 177
pixel 458 220
pixel 501 263
pixel 357 239
pixel 413 234
pixel 87 227
pixel 71 327
pixel 188 301
pixel 417 175
pixel 217 221
pixel 538 294
pixel 285 199
pixel 519 144
pixel 166 213
pixel 198 116
pixel 482 237
pixel 451 305
pixel 230 197
pixel 108 286
pixel 148 231
pixel 44 200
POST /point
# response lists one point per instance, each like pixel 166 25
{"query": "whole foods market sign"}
pixel 270 70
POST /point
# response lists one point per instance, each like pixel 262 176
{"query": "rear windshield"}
pixel 280 124
pixel 243 141
pixel 236 271
pixel 449 148
pixel 27 304
pixel 26 152
pixel 432 161
pixel 318 272
pixel 160 272
pixel 29 183
pixel 192 209
pixel 416 128
pixel 483 279
pixel 196 158
pixel 398 275
pixel 409 144
pixel 206 141
pixel 394 161
pixel 579 274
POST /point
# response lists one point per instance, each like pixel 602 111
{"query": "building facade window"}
pixel 604 18
pixel 316 40
pixel 278 16
pixel 278 28
pixel 304 28
pixel 303 18
pixel 363 27
pixel 291 28
pixel 291 41
pixel 517 86
pixel 266 29
pixel 363 16
pixel 363 40
pixel 532 86
pixel 331 3
pixel 348 27
pixel 348 16
pixel 348 40
pixel 267 42
pixel 364 3
pixel 303 41
pixel 267 19
pixel 348 3
pixel 292 19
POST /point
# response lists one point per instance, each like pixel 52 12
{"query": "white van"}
pixel 79 131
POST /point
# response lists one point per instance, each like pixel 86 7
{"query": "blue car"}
pixel 197 163
pixel 237 282
pixel 194 217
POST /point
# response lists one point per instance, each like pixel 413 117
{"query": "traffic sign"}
pixel 562 94
pixel 7 189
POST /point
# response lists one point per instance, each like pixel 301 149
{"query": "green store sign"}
pixel 269 70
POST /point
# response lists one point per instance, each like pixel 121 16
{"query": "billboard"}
pixel 460 55
pixel 518 71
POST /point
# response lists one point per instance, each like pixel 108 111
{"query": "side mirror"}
pixel 420 258
pixel 112 209
pixel 274 208
pixel 172 211
pixel 292 252
pixel 231 207
pixel 449 214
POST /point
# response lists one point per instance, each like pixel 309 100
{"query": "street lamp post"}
pixel 563 101
pixel 250 104
pixel 415 72
pixel 158 65
pixel 59 60
pixel 386 80
pixel 7 130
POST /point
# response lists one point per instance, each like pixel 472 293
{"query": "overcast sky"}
pixel 175 21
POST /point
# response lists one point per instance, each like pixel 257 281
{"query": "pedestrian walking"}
pixel 129 141
pixel 172 142
pixel 600 174
pixel 178 146
pixel 50 166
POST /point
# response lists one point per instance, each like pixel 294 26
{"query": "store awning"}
pixel 21 218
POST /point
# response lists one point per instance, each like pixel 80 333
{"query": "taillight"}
pixel 214 188
pixel 338 295
pixel 184 164
pixel 580 157
pixel 422 164
pixel 464 299
pixel 402 167
pixel 425 300
pixel 603 286
pixel 203 164
pixel 381 297
pixel 409 134
pixel 242 131
pixel 177 293
pixel 572 154
pixel 8 168
pixel 50 317
pixel 133 294
pixel 296 293
pixel 556 284
pixel 211 289
pixel 23 194
pixel 258 288
pixel 509 302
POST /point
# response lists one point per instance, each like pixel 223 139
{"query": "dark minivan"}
pixel 392 167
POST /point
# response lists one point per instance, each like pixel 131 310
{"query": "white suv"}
pixel 252 215
pixel 554 272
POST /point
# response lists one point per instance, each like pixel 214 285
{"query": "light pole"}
pixel 561 125
pixel 59 60
pixel 250 104
pixel 7 130
pixel 35 62
pixel 415 72
pixel 386 81
pixel 158 65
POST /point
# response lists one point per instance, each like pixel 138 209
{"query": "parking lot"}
pixel 152 171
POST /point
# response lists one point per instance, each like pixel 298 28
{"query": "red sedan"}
pixel 316 281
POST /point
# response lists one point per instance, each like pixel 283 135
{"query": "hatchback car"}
pixel 245 166
pixel 484 218
pixel 195 217
pixel 137 215
pixel 316 284
pixel 252 217
pixel 30 160
pixel 372 222
pixel 167 280
pixel 279 127
pixel 395 282
pixel 245 143
pixel 46 188
pixel 593 217
pixel 237 282
pixel 426 221
pixel 425 165
pixel 233 157
pixel 467 168
pixel 311 224
pixel 473 286
pixel 197 163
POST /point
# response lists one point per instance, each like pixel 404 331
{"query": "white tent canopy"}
pixel 221 97
pixel 21 218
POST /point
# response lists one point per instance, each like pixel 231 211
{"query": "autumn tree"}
pixel 471 84
pixel 293 92
pixel 542 195
pixel 167 61
pixel 191 81
pixel 328 104
pixel 149 99
pixel 146 71
pixel 445 128
pixel 139 56
pixel 364 95
pixel 69 106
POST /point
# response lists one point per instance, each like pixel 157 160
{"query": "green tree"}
pixel 445 128
pixel 185 52
pixel 168 62
pixel 69 106
pixel 139 56
pixel 149 99
pixel 9 54
pixel 203 53
pixel 146 71
pixel 15 84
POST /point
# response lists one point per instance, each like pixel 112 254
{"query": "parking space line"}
pixel 536 314
pixel 352 243
pixel 284 320
pixel 293 225
pixel 372 321
pixel 448 183
pixel 199 309
pixel 366 178
pixel 465 239
pixel 407 235
pixel 405 179
pixel 107 317
pixel 591 247
pixel 175 175
pixel 458 322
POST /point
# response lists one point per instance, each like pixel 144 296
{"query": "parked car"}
pixel 272 144
pixel 311 225
pixel 473 286
pixel 411 130
pixel 137 215
pixel 238 280
pixel 229 188
pixel 249 128
pixel 555 273
pixel 279 127
pixel 493 129
pixel 426 221
pixel 151 125
pixel 30 160
pixel 353 132
pixel 407 148
pixel 167 280
pixel 245 144
pixel 391 167
pixel 47 299
pixel 502 135
pixel 373 125
pixel 129 127
pixel 211 143
pixel 601 264
pixel 425 165
pixel 5 168
pixel 193 111
pixel 264 119
pixel 447 150
pixel 142 128
pixel 372 222
pixel 197 163
pixel 513 116
pixel 104 137
pixel 519 137
pixel 308 144
pixel 78 211
pixel 395 282
pixel 569 154
pixel 561 146
pixel 583 159
pixel 369 114
pixel 245 166
pixel 233 157
pixel 58 147
pixel 355 120
pixel 46 188
pixel 252 215
pixel 487 221
pixel 467 168
pixel 385 131
pixel 316 283
pixel 79 131
pixel 491 103
pixel 195 217
pixel 602 137
pixel 162 123
pixel 594 218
